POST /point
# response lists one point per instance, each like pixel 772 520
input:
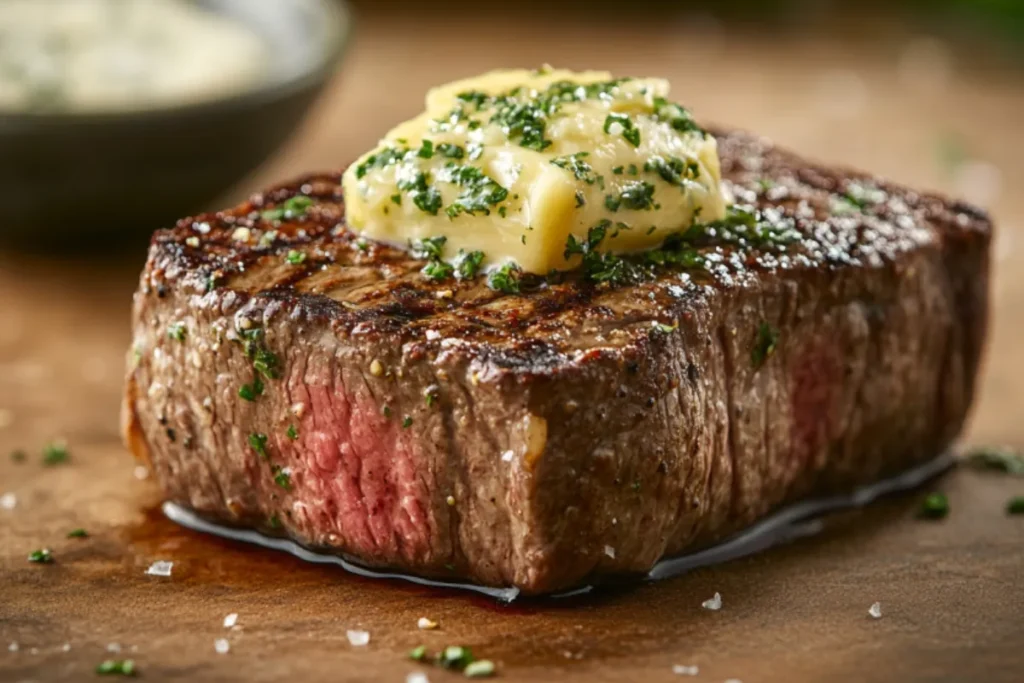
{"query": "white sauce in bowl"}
pixel 109 55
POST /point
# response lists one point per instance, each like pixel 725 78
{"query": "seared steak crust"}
pixel 572 430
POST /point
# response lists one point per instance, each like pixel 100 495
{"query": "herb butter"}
pixel 518 166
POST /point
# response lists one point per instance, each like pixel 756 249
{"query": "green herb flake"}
pixel 467 264
pixel 380 159
pixel 117 667
pixel 291 209
pixel 426 150
pixel 505 279
pixel 438 270
pixel 406 422
pixel 455 657
pixel 78 533
pixel 282 478
pixel 418 654
pixel 764 345
pixel 250 392
pixel 429 247
pixel 934 506
pixel 481 668
pixel 258 442
pixel 618 170
pixel 674 115
pixel 41 556
pixel 637 195
pixel 295 257
pixel 580 199
pixel 55 453
pixel 292 432
pixel 396 199
pixel 629 130
pixel 176 331
pixel 274 522
pixel 385 410
pixel 999 459
pixel 502 211
pixel 450 151
pixel 1015 506
pixel 479 191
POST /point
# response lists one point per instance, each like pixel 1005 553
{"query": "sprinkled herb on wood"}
pixel 41 556
pixel 934 506
pixel 117 667
pixel 176 331
pixel 295 257
pixel 1015 506
pixel 55 453
pixel 258 442
pixel 292 432
pixel 292 209
pixel 78 533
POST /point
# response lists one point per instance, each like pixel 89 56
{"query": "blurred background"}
pixel 929 93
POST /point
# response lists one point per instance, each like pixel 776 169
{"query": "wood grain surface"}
pixel 952 592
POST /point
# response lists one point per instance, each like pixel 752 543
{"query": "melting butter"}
pixel 515 165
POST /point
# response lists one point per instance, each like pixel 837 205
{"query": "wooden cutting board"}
pixel 952 592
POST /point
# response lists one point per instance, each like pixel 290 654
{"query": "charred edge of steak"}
pixel 574 429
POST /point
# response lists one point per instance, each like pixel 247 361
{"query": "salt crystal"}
pixel 507 456
pixel 714 603
pixel 417 677
pixel 8 501
pixel 141 472
pixel 426 624
pixel 222 646
pixel 230 620
pixel 683 670
pixel 67 647
pixel 876 610
pixel 358 638
pixel 113 647
pixel 609 551
pixel 160 568
pixel 13 647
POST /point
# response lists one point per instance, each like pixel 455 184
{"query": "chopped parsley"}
pixel 429 247
pixel 765 344
pixel 295 257
pixel 673 170
pixel 250 392
pixel 176 331
pixel 1015 506
pixel 505 279
pixel 629 130
pixel 637 195
pixel 455 657
pixel 481 668
pixel 78 533
pixel 55 453
pixel 382 159
pixel 292 209
pixel 467 264
pixel 426 150
pixel 258 442
pixel 438 270
pixel 426 198
pixel 117 667
pixel 418 654
pixel 599 266
pixel 446 149
pixel 480 191
pixel 41 556
pixel 396 199
pixel 618 170
pixel 274 522
pixel 575 164
pixel 580 199
pixel 385 410
pixel 674 115
pixel 292 432
pixel 266 364
pixel 281 477
pixel 934 506
pixel 406 422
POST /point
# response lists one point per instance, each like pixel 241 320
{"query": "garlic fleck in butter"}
pixel 520 165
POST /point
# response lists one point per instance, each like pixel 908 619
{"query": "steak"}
pixel 288 376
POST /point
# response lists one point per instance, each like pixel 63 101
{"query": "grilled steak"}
pixel 572 430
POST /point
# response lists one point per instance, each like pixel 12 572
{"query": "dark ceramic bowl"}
pixel 100 178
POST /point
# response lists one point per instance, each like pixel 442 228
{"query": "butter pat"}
pixel 517 164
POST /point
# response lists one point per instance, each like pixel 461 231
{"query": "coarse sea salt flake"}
pixel 426 624
pixel 141 472
pixel 417 677
pixel 113 647
pixel 222 646
pixel 8 501
pixel 609 551
pixel 684 670
pixel 358 638
pixel 714 603
pixel 230 620
pixel 13 647
pixel 160 568
pixel 876 610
